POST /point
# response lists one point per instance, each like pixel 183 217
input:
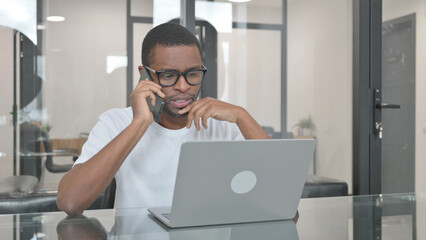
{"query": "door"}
pixel 398 87
pixel 384 99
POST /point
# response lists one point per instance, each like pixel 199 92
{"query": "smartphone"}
pixel 159 102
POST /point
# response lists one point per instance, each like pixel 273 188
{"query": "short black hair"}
pixel 168 35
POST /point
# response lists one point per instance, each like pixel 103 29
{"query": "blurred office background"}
pixel 288 62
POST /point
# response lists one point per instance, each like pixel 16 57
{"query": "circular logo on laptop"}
pixel 243 182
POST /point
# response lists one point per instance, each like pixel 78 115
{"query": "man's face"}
pixel 179 58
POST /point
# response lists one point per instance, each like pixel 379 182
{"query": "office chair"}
pixel 32 138
pixel 20 194
pixel 109 195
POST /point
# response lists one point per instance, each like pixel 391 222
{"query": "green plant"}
pixel 306 123
pixel 47 126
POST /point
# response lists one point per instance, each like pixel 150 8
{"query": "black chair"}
pixel 318 186
pixel 109 195
pixel 32 138
pixel 20 194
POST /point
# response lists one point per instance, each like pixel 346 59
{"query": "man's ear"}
pixel 140 68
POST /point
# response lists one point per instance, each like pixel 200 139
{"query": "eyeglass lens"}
pixel 170 77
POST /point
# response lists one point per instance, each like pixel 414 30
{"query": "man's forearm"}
pixel 249 127
pixel 85 182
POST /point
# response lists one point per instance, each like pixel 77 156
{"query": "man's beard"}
pixel 177 115
pixel 172 114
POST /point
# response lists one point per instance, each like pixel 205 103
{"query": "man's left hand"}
pixel 210 107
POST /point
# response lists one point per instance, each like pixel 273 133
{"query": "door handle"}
pixel 387 105
pixel 378 125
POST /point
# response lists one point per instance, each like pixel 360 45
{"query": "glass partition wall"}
pixel 319 82
pixel 84 64
pixel 75 71
pixel 249 56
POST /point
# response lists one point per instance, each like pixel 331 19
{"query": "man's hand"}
pixel 210 107
pixel 138 99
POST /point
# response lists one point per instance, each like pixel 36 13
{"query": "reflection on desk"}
pixel 393 216
pixel 80 227
pixel 139 225
pixel 130 222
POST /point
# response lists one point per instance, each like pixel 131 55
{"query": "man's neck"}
pixel 170 122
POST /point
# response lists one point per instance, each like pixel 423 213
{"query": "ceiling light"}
pixel 55 18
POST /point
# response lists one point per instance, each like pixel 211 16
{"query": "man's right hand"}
pixel 143 92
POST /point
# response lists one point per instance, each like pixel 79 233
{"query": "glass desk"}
pixel 394 216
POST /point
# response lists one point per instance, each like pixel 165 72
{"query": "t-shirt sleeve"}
pixel 236 133
pixel 101 134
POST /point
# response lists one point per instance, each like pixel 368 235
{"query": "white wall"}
pixel 249 73
pixel 320 79
pixel 139 32
pixel 6 102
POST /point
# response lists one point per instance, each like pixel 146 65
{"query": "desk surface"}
pixel 395 216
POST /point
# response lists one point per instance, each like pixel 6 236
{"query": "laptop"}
pixel 226 182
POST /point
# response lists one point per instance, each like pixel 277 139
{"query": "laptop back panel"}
pixel 239 181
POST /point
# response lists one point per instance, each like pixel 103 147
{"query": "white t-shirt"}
pixel 147 176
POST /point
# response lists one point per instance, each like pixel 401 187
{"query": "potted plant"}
pixel 305 126
pixel 47 126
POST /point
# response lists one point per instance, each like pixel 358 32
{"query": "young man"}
pixel 143 154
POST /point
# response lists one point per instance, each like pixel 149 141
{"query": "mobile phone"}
pixel 159 102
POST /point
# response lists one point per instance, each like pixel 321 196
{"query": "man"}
pixel 143 154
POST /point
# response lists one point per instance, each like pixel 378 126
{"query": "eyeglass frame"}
pixel 203 69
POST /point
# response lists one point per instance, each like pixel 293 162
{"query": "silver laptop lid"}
pixel 221 182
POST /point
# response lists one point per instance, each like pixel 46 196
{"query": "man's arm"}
pixel 86 181
pixel 210 107
pixel 249 127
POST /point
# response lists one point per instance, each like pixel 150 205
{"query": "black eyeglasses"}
pixel 168 78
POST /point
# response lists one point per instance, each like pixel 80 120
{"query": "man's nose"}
pixel 181 84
